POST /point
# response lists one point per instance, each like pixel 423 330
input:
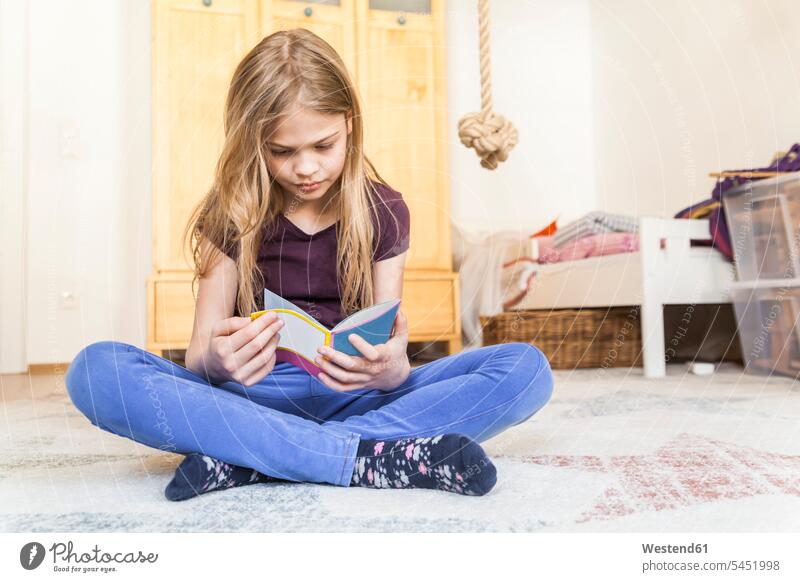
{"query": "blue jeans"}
pixel 290 425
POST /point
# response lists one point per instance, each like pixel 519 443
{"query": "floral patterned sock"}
pixel 450 462
pixel 198 474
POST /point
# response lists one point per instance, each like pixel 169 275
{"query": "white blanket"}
pixel 485 285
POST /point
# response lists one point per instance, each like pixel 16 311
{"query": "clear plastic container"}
pixel 764 223
pixel 768 315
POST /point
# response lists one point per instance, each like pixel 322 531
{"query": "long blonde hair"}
pixel 286 68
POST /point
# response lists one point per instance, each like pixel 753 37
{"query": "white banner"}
pixel 386 557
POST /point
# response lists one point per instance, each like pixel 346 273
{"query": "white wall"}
pixel 88 174
pixel 13 119
pixel 541 80
pixel 687 87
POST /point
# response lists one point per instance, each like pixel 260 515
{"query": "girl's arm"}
pixel 387 278
pixel 384 366
pixel 216 300
pixel 222 347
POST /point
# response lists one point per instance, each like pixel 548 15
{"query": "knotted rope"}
pixel 492 136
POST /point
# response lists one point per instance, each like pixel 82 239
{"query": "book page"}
pixel 275 301
pixel 299 335
pixel 366 314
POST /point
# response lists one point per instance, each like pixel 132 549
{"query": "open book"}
pixel 301 334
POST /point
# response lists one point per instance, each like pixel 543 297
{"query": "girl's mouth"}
pixel 308 187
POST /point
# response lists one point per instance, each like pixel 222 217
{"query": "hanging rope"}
pixel 488 132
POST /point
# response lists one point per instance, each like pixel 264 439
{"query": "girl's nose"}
pixel 305 166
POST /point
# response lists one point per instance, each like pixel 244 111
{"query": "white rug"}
pixel 610 452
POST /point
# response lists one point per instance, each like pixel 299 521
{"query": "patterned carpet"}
pixel 610 452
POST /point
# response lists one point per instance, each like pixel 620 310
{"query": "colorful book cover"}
pixel 301 334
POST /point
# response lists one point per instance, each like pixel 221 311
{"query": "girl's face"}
pixel 306 152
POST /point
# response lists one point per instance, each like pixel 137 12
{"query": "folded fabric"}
pixel 596 222
pixel 595 245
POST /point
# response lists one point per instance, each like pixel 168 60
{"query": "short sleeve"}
pixel 393 225
pixel 231 249
pixel 229 246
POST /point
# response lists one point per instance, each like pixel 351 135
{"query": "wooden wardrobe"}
pixel 394 49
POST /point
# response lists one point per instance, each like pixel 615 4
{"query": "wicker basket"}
pixel 572 338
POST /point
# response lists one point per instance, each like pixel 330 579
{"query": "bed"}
pixel 665 270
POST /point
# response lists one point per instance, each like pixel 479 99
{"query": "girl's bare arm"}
pixel 216 299
pixel 387 278
pixel 224 348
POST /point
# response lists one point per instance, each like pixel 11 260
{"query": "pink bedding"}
pixel 594 245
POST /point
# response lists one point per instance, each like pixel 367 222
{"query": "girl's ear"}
pixel 349 116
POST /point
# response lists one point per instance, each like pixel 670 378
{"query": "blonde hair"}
pixel 286 68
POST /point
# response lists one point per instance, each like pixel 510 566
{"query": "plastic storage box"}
pixel 764 223
pixel 768 314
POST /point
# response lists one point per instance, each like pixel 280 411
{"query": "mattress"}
pixel 696 275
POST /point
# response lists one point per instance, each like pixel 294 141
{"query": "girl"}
pixel 297 207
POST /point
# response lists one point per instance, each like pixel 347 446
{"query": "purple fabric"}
pixel 302 267
pixel 717 222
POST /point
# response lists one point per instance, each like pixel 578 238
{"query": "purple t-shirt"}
pixel 302 267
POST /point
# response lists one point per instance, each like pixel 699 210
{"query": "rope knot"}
pixel 490 134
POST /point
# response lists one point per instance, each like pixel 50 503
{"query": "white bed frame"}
pixel 650 278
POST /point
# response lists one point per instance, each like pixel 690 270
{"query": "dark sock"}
pixel 450 462
pixel 198 474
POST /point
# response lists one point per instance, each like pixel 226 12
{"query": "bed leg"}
pixel 655 365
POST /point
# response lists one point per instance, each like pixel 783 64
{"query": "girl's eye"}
pixel 284 152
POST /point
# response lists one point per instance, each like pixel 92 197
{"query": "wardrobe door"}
pixel 196 47
pixel 403 86
pixel 332 20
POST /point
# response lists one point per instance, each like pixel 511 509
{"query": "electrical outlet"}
pixel 68 140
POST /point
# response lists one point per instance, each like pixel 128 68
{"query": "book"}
pixel 302 334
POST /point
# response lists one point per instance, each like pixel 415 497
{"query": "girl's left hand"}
pixel 383 366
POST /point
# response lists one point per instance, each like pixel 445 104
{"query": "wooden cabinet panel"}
pixel 400 81
pixel 430 306
pixel 174 310
pixel 333 22
pixel 195 51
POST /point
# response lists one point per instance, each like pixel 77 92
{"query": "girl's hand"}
pixel 243 350
pixel 383 366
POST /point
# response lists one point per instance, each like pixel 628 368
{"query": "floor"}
pixel 612 451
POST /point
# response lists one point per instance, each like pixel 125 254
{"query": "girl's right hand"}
pixel 243 350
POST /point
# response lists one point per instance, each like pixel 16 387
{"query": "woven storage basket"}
pixel 572 338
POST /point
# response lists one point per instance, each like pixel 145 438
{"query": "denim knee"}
pixel 535 386
pixel 90 375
